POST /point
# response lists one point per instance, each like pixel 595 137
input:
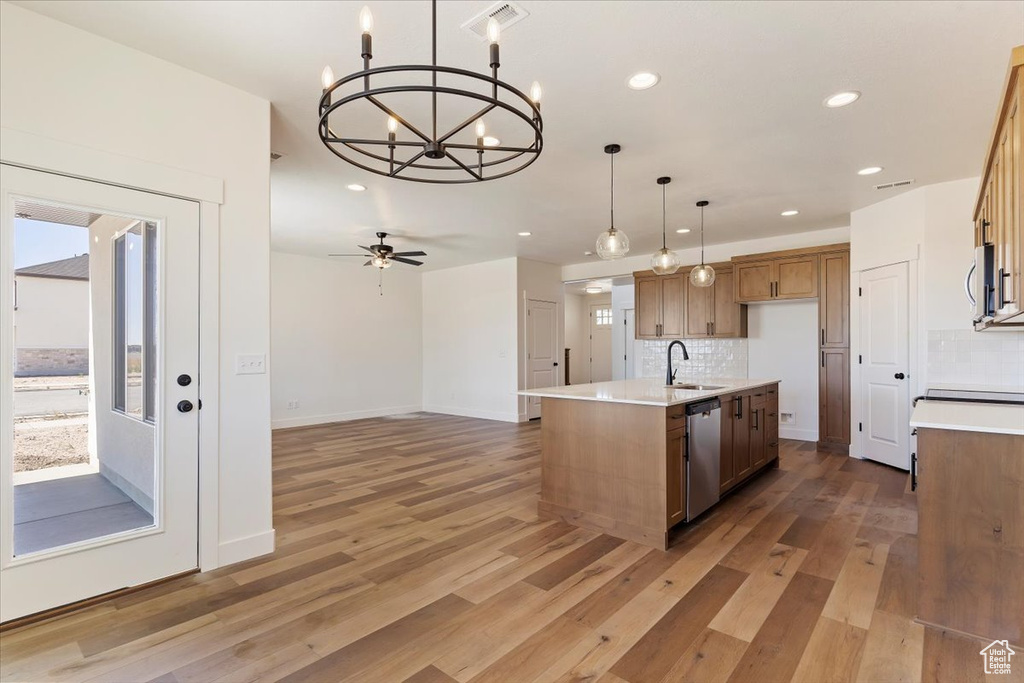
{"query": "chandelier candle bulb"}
pixel 327 77
pixel 481 129
pixel 366 20
pixel 535 93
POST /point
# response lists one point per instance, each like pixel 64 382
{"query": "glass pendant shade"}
pixel 381 262
pixel 702 276
pixel 612 244
pixel 664 262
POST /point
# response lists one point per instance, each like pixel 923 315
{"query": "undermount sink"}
pixel 694 387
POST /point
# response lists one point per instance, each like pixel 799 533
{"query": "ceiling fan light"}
pixel 612 244
pixel 665 262
pixel 702 276
pixel 380 262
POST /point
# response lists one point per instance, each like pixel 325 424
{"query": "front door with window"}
pixel 100 349
pixel 600 342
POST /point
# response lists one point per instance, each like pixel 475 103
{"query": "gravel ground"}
pixel 41 444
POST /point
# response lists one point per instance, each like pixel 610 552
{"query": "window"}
pixel 134 343
pixel 602 316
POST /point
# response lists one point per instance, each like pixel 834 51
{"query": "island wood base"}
pixel 620 468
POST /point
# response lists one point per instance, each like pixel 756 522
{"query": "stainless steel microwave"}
pixel 980 283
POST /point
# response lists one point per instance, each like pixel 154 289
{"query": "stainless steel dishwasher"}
pixel 703 455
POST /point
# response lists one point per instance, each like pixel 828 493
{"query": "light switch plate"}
pixel 250 364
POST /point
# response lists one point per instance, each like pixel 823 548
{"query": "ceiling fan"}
pixel 383 255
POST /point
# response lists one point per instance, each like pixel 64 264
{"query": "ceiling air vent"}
pixel 507 13
pixel 898 183
pixel 274 156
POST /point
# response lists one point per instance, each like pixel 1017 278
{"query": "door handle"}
pixel 739 407
pixel 185 406
pixel 555 364
pixel 899 375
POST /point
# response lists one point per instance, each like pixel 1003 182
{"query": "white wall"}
pixel 128 103
pixel 52 313
pixel 782 341
pixel 576 336
pixel 339 348
pixel 470 340
pixel 931 227
pixel 541 282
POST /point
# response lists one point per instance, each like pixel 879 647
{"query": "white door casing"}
pixel 885 364
pixel 47 579
pixel 630 343
pixel 541 350
pixel 600 342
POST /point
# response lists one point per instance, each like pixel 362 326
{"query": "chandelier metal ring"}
pixel 436 157
pixel 330 140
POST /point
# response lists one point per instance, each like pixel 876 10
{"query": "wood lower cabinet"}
pixel 675 476
pixel 970 529
pixel 834 399
pixel 768 277
pixel 750 428
pixel 999 210
pixel 660 303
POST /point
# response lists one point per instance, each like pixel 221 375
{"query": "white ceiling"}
pixel 736 119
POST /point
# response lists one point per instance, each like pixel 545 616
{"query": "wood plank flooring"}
pixel 409 549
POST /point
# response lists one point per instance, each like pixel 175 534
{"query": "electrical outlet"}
pixel 250 364
pixel 293 404
pixel 785 418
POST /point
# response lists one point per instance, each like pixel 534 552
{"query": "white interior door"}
pixel 126 511
pixel 600 342
pixel 629 343
pixel 541 351
pixel 885 346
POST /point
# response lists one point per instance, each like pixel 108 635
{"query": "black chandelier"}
pixel 431 156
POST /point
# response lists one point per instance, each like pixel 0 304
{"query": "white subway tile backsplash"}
pixel 708 358
pixel 968 357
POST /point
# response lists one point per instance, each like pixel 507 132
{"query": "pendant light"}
pixel 702 275
pixel 665 261
pixel 612 244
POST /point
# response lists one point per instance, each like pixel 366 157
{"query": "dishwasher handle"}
pixel 703 407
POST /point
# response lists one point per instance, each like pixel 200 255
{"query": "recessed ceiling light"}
pixel 683 231
pixel 491 141
pixel 642 80
pixel 870 170
pixel 791 212
pixel 588 253
pixel 594 290
pixel 356 187
pixel 841 99
pixel 524 234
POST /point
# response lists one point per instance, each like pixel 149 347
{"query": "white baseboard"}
pixel 798 434
pixel 473 412
pixel 341 417
pixel 246 548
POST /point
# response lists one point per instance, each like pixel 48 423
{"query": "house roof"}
pixel 74 268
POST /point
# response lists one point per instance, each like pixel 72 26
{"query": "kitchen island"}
pixel 615 455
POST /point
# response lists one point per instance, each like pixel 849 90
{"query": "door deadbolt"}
pixel 185 406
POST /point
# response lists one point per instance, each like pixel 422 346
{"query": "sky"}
pixel 40 242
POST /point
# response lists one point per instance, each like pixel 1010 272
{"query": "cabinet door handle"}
pixel 712 329
pixel 754 415
pixel 739 407
pixel 822 359
pixel 823 336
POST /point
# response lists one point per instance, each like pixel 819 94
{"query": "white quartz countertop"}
pixel 650 392
pixel 993 418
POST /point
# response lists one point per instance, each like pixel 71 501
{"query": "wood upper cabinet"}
pixel 785 275
pixel 834 300
pixel 999 210
pixel 713 311
pixel 659 305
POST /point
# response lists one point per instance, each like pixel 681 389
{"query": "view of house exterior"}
pixel 51 318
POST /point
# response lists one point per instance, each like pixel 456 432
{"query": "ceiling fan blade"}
pixel 346 254
pixel 407 260
pixel 410 253
pixel 369 263
pixel 366 248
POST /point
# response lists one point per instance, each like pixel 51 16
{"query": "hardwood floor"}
pixel 409 549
